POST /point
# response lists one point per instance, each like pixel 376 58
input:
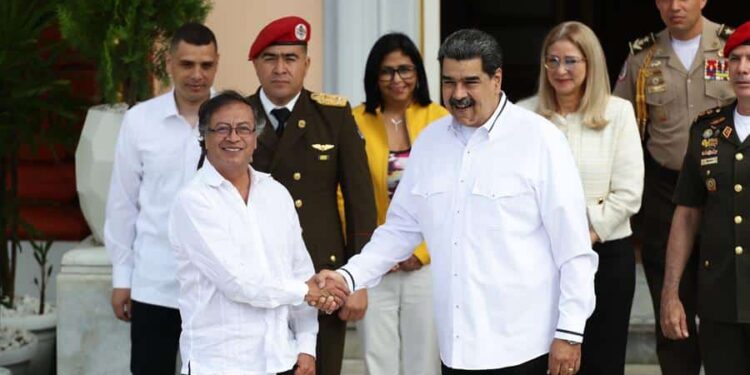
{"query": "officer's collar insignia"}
pixel 726 132
pixel 708 133
pixel 641 44
pixel 328 99
pixel 320 147
pixel 724 32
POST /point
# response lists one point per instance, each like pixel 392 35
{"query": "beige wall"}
pixel 236 24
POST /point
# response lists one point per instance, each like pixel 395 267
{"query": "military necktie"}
pixel 281 114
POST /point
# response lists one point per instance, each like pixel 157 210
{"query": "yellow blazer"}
pixel 376 145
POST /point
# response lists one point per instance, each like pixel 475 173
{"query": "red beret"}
pixel 287 30
pixel 738 37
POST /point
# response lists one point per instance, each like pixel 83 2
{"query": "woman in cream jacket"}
pixel 574 93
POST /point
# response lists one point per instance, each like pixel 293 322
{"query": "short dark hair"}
pixel 468 44
pixel 222 99
pixel 193 33
pixel 386 44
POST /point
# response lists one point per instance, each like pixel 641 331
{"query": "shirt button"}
pixel 297 176
pixel 298 203
pixel 738 219
pixel 688 81
pixel 455 275
pixel 738 250
pixel 456 306
pixel 739 156
pixel 707 264
pixel 738 188
pixel 332 259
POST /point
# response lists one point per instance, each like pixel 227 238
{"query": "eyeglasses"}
pixel 226 130
pixel 568 62
pixel 406 72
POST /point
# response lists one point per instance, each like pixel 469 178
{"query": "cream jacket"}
pixel 610 162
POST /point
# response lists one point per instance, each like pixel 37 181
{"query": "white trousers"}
pixel 398 331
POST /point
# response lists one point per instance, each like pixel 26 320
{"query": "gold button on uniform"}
pixel 707 264
pixel 301 124
pixel 738 250
pixel 738 219
pixel 297 176
pixel 738 188
pixel 739 156
pixel 600 200
pixel 298 203
pixel 333 259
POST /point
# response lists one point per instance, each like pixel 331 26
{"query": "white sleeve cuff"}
pixel 306 343
pixel 348 278
pixel 568 335
pixel 122 276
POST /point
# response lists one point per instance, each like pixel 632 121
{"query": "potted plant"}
pixel 34 111
pixel 128 40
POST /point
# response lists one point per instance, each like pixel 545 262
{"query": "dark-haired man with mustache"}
pixel 505 222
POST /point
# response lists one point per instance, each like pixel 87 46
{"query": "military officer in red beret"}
pixel 313 147
pixel 712 199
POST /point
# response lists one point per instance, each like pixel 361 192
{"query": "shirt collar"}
pixel 170 107
pixel 213 178
pixel 268 104
pixel 491 123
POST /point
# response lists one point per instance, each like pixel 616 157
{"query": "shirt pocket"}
pixel 720 91
pixel 433 201
pixel 503 202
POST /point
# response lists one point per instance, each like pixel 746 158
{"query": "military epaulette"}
pixel 724 32
pixel 641 44
pixel 328 99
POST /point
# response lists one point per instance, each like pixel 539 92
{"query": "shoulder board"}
pixel 709 113
pixel 641 44
pixel 724 32
pixel 328 99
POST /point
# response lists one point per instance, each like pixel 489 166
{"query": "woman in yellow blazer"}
pixel 397 332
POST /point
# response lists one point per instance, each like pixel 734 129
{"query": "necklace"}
pixel 396 122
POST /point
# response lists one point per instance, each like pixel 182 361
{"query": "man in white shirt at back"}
pixel 495 193
pixel 243 268
pixel 157 153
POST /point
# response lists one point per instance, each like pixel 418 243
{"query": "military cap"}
pixel 739 37
pixel 286 30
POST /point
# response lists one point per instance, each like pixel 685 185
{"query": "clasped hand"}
pixel 327 291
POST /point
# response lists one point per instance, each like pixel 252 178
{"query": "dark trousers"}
pixel 330 348
pixel 606 333
pixel 154 337
pixel 680 357
pixel 537 366
pixel 725 347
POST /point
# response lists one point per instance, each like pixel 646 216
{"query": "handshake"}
pixel 327 291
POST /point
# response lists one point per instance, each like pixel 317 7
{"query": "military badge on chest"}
pixel 655 82
pixel 710 147
pixel 323 149
pixel 716 70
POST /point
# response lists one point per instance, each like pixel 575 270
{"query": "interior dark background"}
pixel 521 25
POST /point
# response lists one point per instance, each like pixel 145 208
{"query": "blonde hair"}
pixel 596 91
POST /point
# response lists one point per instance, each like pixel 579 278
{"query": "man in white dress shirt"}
pixel 156 154
pixel 243 268
pixel 494 191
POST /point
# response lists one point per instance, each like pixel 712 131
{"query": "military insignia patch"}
pixel 710 143
pixel 711 184
pixel 716 70
pixel 709 161
pixel 717 121
pixel 322 147
pixel 726 132
pixel 709 152
pixel 708 133
pixel 328 99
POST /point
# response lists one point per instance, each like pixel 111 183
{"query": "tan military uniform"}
pixel 667 98
pixel 675 95
pixel 320 150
